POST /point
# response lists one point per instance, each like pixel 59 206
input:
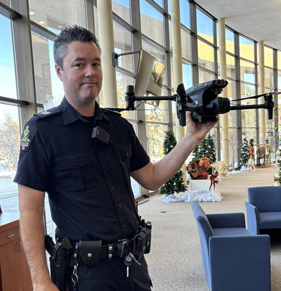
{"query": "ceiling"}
pixel 257 19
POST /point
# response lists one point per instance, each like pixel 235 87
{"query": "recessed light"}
pixel 41 22
pixel 31 13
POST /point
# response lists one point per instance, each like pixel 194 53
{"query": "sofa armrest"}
pixel 240 263
pixel 253 218
pixel 226 220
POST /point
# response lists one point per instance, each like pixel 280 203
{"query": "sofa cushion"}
pixel 231 231
pixel 270 220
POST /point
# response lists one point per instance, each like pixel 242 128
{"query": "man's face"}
pixel 81 74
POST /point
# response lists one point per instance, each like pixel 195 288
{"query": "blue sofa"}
pixel 233 259
pixel 263 208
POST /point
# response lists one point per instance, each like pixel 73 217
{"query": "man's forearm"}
pixel 32 235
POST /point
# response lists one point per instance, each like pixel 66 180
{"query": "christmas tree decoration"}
pixel 245 155
pixel 176 183
pixel 206 148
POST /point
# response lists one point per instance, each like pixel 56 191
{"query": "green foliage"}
pixel 206 148
pixel 244 155
pixel 176 183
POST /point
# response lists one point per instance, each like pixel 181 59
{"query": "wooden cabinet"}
pixel 14 270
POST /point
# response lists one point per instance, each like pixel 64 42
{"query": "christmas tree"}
pixel 206 148
pixel 245 155
pixel 210 148
pixel 176 183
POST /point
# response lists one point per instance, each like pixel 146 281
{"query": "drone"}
pixel 201 99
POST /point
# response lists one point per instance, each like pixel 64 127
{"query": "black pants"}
pixel 112 276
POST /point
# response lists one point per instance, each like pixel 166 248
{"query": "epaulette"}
pixel 110 111
pixel 48 112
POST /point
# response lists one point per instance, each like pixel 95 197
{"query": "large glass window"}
pixel 57 14
pixel 8 86
pixel 247 72
pixel 205 26
pixel 268 57
pixel 49 89
pixel 230 62
pixel 246 48
pixel 123 43
pixel 249 121
pixel 206 55
pixel 152 24
pixel 186 45
pixel 229 39
pixel 205 76
pixel 9 152
pixel 187 75
pixel 155 134
pixel 122 9
pixel 184 13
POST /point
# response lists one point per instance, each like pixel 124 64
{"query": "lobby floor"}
pixel 175 259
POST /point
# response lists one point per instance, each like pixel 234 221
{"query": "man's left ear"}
pixel 58 71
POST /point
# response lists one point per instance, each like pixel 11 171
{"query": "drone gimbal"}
pixel 202 100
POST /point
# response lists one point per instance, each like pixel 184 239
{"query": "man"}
pixel 82 156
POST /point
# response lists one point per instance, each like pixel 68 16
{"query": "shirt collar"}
pixel 70 114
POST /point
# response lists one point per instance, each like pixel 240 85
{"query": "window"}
pixel 152 24
pixel 205 26
pixel 206 55
pixel 187 75
pixel 249 122
pixel 184 13
pixel 205 76
pixel 8 86
pixel 49 89
pixel 229 39
pixel 186 45
pixel 9 152
pixel 246 48
pixel 247 72
pixel 122 9
pixel 155 134
pixel 230 62
pixel 268 57
pixel 54 14
pixel 123 43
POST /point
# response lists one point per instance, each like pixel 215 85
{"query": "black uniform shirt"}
pixel 84 177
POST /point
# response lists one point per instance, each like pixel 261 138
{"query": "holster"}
pixel 142 240
pixel 58 263
pixel 90 252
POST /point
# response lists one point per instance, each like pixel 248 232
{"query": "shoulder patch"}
pixel 27 136
pixel 48 112
pixel 110 111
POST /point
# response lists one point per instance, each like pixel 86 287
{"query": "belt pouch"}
pixel 90 252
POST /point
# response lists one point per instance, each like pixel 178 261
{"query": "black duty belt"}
pixel 90 252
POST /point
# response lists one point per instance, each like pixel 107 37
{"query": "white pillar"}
pixel 106 39
pixel 262 119
pixel 177 62
pixel 223 70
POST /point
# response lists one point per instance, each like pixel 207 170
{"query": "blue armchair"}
pixel 233 259
pixel 263 208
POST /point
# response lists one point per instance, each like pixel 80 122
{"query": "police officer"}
pixel 81 155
